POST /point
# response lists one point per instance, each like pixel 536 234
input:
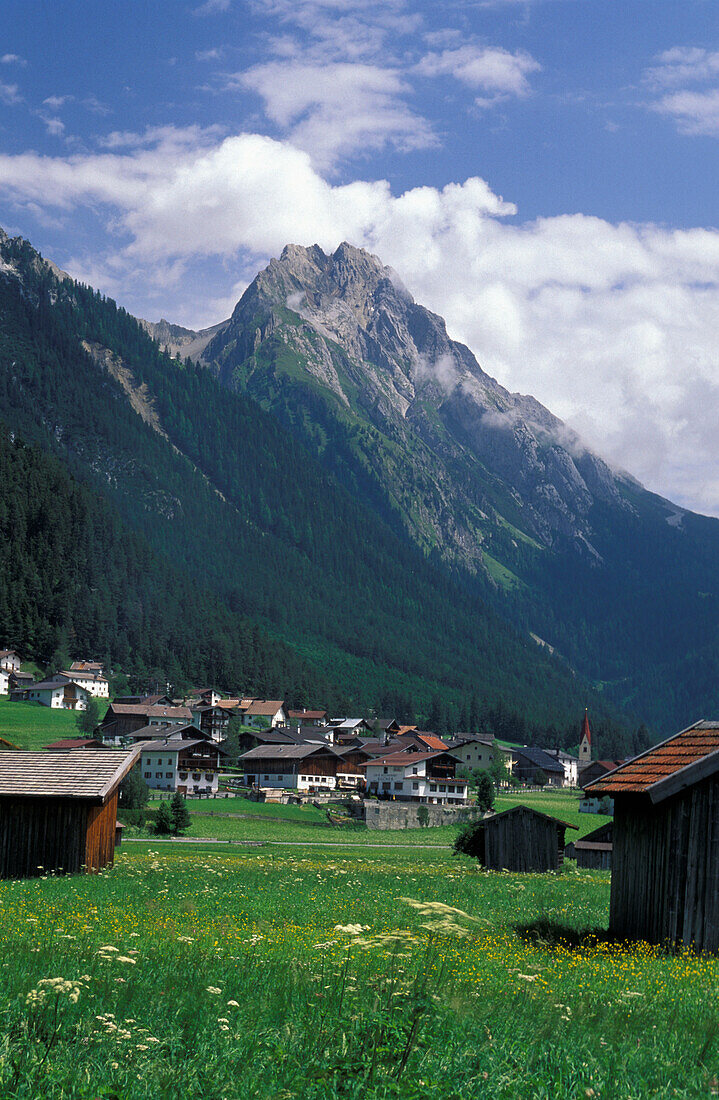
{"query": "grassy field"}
pixel 237 819
pixel 32 726
pixel 278 973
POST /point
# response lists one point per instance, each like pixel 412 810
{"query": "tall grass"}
pixel 382 974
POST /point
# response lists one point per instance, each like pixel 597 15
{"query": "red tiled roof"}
pixel 307 713
pixel 686 756
pixel 432 741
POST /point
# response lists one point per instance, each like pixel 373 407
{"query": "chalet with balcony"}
pixel 309 768
pixel 187 766
pixel 429 777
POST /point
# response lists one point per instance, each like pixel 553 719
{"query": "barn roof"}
pixel 529 810
pixel 88 774
pixel 668 768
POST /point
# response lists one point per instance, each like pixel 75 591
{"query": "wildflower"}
pixel 126 959
pixel 235 1004
pixel 351 929
pixel 213 989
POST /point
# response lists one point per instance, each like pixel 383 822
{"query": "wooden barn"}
pixel 665 859
pixel 522 839
pixel 58 809
pixel 594 851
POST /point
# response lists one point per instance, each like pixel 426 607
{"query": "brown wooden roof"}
pixel 88 774
pixel 529 810
pixel 682 760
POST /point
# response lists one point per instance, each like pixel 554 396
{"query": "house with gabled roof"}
pixel 291 767
pixel 261 713
pixel 95 682
pixel 9 660
pixel 58 692
pixel 665 841
pixel 429 777
pixel 528 761
pixel 187 765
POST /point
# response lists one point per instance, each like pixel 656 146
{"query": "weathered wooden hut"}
pixel 58 809
pixel 665 859
pixel 594 851
pixel 522 839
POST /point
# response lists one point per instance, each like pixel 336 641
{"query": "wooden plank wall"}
pixel 100 835
pixel 41 834
pixel 522 841
pixel 665 874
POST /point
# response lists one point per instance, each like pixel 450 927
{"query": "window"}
pixel 267 777
pixel 399 786
pixel 148 775
pixel 386 786
pixel 385 770
pixel 415 786
pixel 414 771
pixel 158 775
pixel 433 786
pixel 441 786
pixel 168 775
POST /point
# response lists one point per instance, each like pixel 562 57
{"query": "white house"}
pixel 63 694
pixel 94 682
pixel 262 713
pixel 4 681
pixel 417 777
pixel 9 660
pixel 190 767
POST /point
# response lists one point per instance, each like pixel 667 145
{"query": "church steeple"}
pixel 585 741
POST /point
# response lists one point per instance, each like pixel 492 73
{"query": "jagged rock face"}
pixel 351 328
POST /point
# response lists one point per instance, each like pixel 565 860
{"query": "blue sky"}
pixel 541 172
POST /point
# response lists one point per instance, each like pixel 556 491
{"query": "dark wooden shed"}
pixel 593 851
pixel 522 839
pixel 58 809
pixel 665 859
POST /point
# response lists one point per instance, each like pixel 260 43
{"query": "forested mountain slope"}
pixel 622 583
pixel 221 490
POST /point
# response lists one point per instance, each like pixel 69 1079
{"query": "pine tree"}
pixel 163 819
pixel 179 813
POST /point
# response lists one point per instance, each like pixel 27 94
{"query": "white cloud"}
pixel 613 327
pixel 55 102
pixel 335 110
pixel 12 59
pixel 9 94
pixel 695 110
pixel 490 68
pixel 208 55
pixel 683 65
pixel 212 7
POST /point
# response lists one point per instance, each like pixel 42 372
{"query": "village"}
pixel 395 776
